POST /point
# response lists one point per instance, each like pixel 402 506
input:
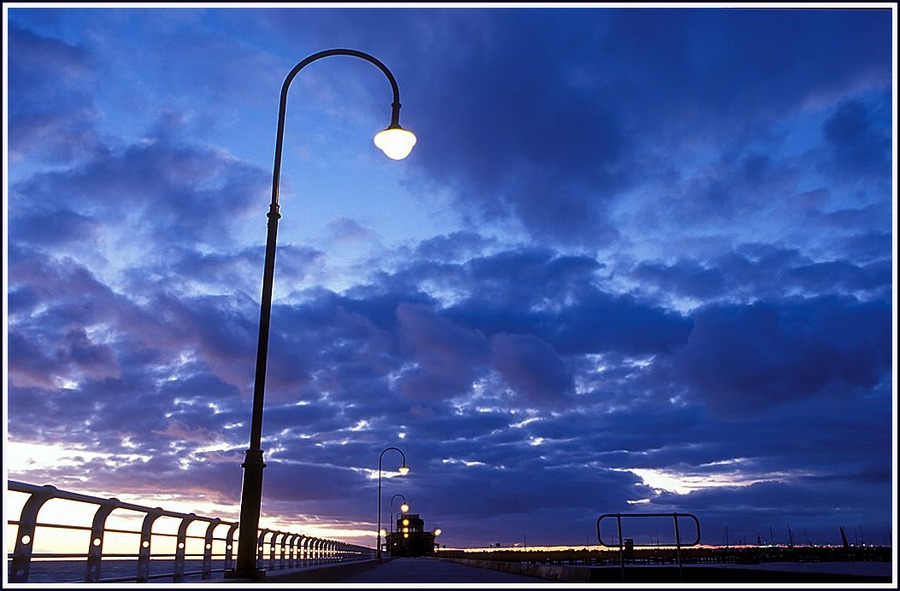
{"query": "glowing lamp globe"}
pixel 404 470
pixel 395 142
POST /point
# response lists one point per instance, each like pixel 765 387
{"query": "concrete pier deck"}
pixel 401 570
pixel 432 570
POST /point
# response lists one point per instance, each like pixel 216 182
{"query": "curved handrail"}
pixel 214 547
pixel 678 542
pixel 675 516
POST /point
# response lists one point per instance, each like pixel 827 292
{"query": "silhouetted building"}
pixel 410 538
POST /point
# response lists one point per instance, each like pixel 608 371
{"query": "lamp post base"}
pixel 255 576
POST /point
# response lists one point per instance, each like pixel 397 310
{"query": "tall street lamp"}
pixel 396 142
pixel 404 470
pixel 404 508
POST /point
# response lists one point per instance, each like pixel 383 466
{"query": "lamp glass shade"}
pixel 395 142
pixel 404 470
pixel 404 508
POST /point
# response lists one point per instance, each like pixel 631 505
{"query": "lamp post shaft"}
pixel 390 541
pixel 251 491
pixel 378 533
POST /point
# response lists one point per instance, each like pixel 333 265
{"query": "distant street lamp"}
pixel 404 470
pixel 396 143
pixel 404 508
pixel 436 532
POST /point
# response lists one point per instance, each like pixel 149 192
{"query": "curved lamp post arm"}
pixel 395 106
pixel 251 493
pixel 394 497
pixel 404 469
pixel 402 510
pixel 274 215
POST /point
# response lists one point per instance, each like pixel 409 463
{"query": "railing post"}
pixel 181 547
pixel 273 536
pixel 229 547
pixel 304 550
pixel 292 550
pixel 260 547
pixel 678 548
pixel 21 562
pixel 283 557
pixel 208 548
pixel 621 545
pixel 95 548
pixel 143 566
pixel 273 544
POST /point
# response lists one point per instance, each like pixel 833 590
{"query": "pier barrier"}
pixel 191 547
pixel 621 541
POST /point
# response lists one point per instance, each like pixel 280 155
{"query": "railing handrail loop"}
pixel 286 549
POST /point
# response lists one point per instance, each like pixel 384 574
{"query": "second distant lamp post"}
pixel 404 470
pixel 396 143
pixel 404 508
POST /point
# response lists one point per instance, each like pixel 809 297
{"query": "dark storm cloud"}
pixel 541 171
pixel 61 228
pixel 191 193
pixel 741 360
pixel 38 130
pixel 451 349
pixel 766 271
pixel 458 245
pixel 445 355
pixel 557 298
pixel 532 368
pixel 859 140
pixel 553 144
pixel 76 338
pixel 55 301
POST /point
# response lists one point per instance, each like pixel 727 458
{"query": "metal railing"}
pixel 186 553
pixel 621 543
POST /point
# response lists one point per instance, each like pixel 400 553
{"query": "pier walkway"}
pixel 432 570
pixel 403 570
pixel 435 570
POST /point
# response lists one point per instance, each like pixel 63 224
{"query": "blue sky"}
pixel 639 260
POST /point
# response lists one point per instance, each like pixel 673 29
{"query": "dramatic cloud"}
pixel 742 360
